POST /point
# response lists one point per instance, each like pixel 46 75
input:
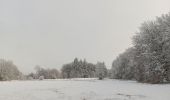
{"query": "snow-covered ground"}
pixel 82 89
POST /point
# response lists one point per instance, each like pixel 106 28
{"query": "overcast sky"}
pixel 51 33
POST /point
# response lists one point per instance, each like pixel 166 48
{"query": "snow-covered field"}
pixel 82 89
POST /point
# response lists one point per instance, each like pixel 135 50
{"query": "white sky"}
pixel 53 32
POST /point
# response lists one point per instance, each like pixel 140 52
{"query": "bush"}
pixel 41 78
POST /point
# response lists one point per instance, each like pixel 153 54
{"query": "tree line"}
pixel 75 69
pixel 149 59
pixel 42 73
pixel 83 69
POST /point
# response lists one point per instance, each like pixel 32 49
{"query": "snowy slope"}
pixel 82 89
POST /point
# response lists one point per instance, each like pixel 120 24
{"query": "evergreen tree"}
pixel 101 71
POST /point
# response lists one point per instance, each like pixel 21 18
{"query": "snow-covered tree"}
pixel 152 43
pixel 101 70
pixel 78 69
pixel 9 71
pixel 123 67
pixel 149 60
pixel 66 71
pixel 46 73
